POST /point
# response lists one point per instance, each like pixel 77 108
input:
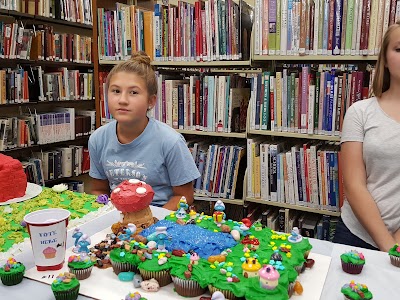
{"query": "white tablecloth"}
pixel 380 276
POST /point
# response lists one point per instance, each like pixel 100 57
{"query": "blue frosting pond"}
pixel 204 242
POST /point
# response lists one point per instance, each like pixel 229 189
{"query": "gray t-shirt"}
pixel 159 157
pixel 366 122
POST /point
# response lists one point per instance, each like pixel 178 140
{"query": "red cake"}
pixel 12 178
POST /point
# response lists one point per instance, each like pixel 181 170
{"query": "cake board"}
pixel 32 190
pixel 104 284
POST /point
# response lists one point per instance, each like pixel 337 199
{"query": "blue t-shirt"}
pixel 159 157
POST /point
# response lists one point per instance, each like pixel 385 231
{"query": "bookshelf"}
pixel 359 57
pixel 48 74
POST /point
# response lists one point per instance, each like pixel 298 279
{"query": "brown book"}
pixel 148 33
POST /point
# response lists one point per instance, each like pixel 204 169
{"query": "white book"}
pixel 71 112
pixel 295 151
pixel 313 177
pixel 311 101
pixel 66 161
pixel 284 7
pixel 359 23
pixel 289 166
pixel 335 96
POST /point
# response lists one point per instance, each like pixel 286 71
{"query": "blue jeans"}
pixel 344 236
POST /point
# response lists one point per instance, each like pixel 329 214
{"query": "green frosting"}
pixel 393 251
pixel 152 264
pixel 124 256
pixel 78 265
pixel 58 286
pixel 362 292
pixel 11 231
pixel 206 273
pixel 353 257
pixel 20 268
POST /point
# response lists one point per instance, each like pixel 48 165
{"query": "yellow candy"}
pixel 352 281
pixel 212 266
pixel 247 254
pixel 272 243
pixel 198 221
pixel 230 264
pixel 215 230
pixel 274 248
pixel 288 255
pixel 283 238
pixel 289 247
pixel 251 236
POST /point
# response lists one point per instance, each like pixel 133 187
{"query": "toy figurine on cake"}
pixel 182 207
pixel 219 215
pixel 295 236
pixel 133 197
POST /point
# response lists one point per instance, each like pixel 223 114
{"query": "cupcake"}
pixel 12 272
pixel 65 287
pixel 155 265
pixel 80 265
pixel 49 252
pixel 356 291
pixel 394 254
pixel 352 262
pixel 123 260
pixel 134 296
pixel 187 276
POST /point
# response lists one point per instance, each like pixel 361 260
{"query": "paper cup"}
pixel 48 232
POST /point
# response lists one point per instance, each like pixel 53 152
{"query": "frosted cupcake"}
pixel 352 262
pixel 12 272
pixel 65 287
pixel 356 291
pixel 80 265
pixel 394 254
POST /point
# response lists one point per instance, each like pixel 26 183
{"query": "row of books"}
pixel 284 220
pixel 32 84
pixel 307 99
pixel 204 31
pixel 79 11
pixel 57 163
pixel 305 174
pixel 38 129
pixel 124 31
pixel 322 27
pixel 40 42
pixel 221 167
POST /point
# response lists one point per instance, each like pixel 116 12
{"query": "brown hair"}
pixel 138 64
pixel 381 82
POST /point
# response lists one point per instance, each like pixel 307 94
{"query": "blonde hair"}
pixel 138 64
pixel 381 81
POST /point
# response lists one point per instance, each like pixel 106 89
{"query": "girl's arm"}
pixel 99 186
pixel 358 196
pixel 186 190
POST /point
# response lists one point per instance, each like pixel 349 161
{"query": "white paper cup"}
pixel 48 232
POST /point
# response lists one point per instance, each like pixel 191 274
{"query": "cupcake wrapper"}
pixel 81 274
pixel 119 267
pixel 67 295
pixel 306 254
pixel 12 279
pixel 352 268
pixel 187 287
pixel 299 268
pixel 291 289
pixel 395 260
pixel 228 294
pixel 163 277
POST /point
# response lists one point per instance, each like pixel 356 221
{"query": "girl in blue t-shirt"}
pixel 134 146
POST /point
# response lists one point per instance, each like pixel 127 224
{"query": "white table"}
pixel 380 276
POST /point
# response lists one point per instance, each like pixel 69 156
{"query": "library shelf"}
pixel 210 133
pixel 198 64
pixel 316 58
pixel 39 147
pixel 17 14
pixel 202 197
pixel 37 102
pixel 295 207
pixel 44 63
pixel 295 135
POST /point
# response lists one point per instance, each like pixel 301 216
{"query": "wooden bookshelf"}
pixel 316 58
pixel 295 207
pixel 37 102
pixel 209 133
pixel 296 135
pixel 215 199
pixel 198 64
